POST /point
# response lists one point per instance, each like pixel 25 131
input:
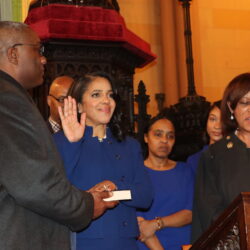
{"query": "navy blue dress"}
pixel 193 160
pixel 88 162
pixel 173 191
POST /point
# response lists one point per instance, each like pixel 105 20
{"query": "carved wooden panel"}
pixel 231 231
pixel 190 116
pixel 76 58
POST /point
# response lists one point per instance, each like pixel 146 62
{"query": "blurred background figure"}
pixel 57 92
pixel 102 151
pixel 213 133
pixel 166 224
pixel 224 168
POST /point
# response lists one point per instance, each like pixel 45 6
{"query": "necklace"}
pixel 101 139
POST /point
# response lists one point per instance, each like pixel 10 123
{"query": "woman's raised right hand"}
pixel 73 129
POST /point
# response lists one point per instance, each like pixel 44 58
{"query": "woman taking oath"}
pixel 224 168
pixel 166 224
pixel 100 152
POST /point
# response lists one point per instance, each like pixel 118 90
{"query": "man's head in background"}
pixel 57 92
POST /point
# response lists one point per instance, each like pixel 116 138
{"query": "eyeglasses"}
pixel 59 99
pixel 39 46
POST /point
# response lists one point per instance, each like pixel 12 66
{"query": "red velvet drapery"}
pixel 87 23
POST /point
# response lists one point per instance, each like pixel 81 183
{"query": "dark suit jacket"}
pixel 38 206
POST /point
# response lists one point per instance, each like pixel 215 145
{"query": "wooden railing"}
pixel 231 231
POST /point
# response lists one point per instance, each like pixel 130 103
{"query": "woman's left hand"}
pixel 147 228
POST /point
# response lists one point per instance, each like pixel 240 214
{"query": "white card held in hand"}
pixel 119 195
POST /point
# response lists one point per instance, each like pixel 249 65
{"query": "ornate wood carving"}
pixel 190 115
pixel 160 98
pixel 231 241
pixel 188 43
pixel 142 117
pixel 77 58
pixel 231 230
pixel 191 111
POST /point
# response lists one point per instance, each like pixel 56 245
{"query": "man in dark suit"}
pixel 57 92
pixel 38 206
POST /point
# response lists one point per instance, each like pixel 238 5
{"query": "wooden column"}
pixel 169 48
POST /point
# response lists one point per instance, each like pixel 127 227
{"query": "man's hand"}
pixel 100 206
pixel 104 186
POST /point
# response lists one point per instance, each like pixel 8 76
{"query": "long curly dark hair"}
pixel 79 87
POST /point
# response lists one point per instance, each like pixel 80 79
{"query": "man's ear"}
pixel 12 55
pixel 48 100
pixel 146 138
pixel 229 106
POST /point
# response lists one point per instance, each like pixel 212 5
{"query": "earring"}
pixel 232 116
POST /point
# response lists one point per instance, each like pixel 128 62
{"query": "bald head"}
pixel 60 84
pixel 20 54
pixel 58 90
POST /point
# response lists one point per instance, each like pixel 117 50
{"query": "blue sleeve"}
pixel 141 187
pixel 193 161
pixel 70 151
pixel 189 191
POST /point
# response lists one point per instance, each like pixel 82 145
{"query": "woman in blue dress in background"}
pixel 100 152
pixel 166 224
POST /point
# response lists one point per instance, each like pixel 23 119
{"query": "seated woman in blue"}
pixel 166 224
pixel 100 152
pixel 214 134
